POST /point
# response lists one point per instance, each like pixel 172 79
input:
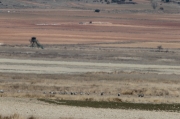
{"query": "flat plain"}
pixel 88 56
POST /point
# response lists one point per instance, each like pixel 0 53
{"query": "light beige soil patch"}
pixel 37 66
pixel 27 107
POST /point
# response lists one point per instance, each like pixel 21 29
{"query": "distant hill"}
pixel 43 4
pixel 19 4
pixel 117 6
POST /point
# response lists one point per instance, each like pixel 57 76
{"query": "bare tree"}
pixel 154 4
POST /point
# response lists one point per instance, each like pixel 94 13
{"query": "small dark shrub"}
pixel 161 8
pixel 97 10
pixel 159 48
pixel 108 2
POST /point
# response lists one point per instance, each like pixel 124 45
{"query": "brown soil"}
pixel 18 26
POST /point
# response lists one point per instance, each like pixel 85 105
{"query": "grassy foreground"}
pixel 116 105
pixel 15 116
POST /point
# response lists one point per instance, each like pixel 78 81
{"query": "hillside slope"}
pixel 30 4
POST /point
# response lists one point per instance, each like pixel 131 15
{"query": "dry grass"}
pixel 17 116
pixel 34 86
pixel 14 116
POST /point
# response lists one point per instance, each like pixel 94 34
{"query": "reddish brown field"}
pixel 61 26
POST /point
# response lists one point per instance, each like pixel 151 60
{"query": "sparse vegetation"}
pixel 108 2
pixel 154 4
pixel 97 10
pixel 159 48
pixel 16 116
pixel 161 8
pixel 55 86
pixel 34 43
pixel 116 105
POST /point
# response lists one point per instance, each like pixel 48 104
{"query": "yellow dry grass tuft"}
pixel 14 116
pixel 17 116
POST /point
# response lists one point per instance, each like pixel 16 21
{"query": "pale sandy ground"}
pixel 52 67
pixel 27 107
